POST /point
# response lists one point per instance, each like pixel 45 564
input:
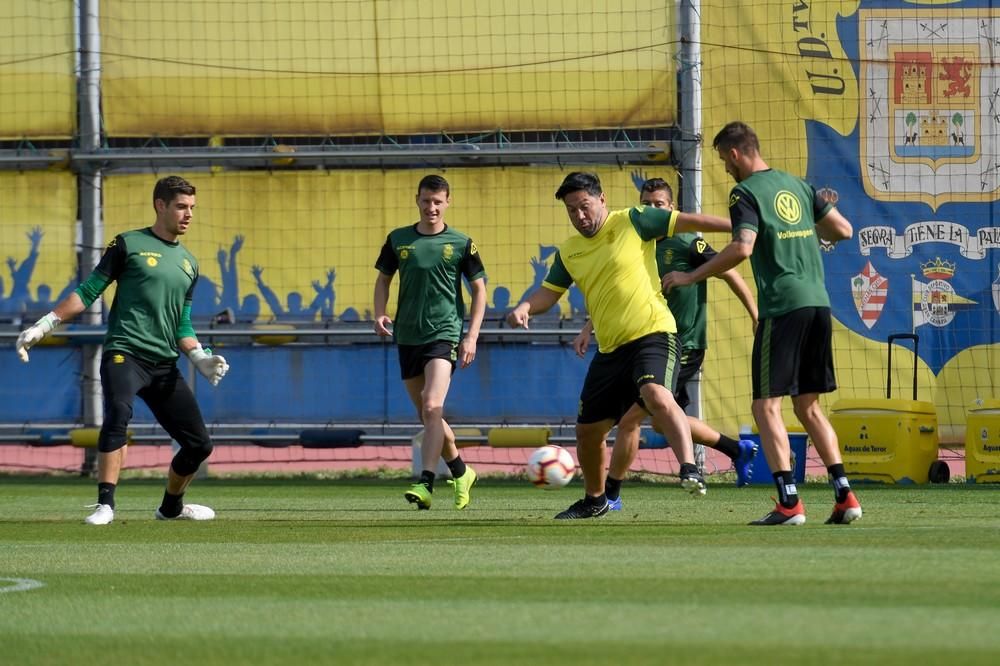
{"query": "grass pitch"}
pixel 346 572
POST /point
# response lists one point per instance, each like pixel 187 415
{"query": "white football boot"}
pixel 190 512
pixel 102 515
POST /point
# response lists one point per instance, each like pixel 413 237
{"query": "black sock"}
pixel 727 445
pixel 456 467
pixel 688 468
pixel 171 505
pixel 106 494
pixel 600 500
pixel 788 494
pixel 427 478
pixel 838 479
pixel 612 487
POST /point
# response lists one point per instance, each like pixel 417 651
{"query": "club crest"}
pixel 928 96
pixel 935 302
pixel 870 291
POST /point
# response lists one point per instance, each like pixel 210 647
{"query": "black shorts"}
pixel 691 361
pixel 613 380
pixel 413 358
pixel 162 387
pixel 793 354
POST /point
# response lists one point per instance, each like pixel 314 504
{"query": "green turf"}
pixel 345 572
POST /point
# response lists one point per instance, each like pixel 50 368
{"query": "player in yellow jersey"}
pixel 613 262
pixel 688 305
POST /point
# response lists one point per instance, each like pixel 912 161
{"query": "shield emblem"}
pixel 936 302
pixel 924 110
pixel 870 291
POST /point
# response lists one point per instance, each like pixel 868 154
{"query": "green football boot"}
pixel 420 495
pixel 463 487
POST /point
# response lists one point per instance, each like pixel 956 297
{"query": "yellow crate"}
pixel 888 440
pixel 982 443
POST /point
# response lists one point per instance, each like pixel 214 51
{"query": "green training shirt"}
pixel 686 252
pixel 430 305
pixel 156 281
pixel 787 265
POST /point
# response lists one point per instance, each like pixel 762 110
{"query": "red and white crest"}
pixel 870 291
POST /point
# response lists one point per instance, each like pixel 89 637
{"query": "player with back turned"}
pixel 148 324
pixel 778 222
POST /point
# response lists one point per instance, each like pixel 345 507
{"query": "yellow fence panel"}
pixel 37 84
pixel 374 66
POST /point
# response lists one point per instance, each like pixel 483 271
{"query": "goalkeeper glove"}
pixel 35 333
pixel 212 366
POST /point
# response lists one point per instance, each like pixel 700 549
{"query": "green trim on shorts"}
pixel 671 364
pixel 763 381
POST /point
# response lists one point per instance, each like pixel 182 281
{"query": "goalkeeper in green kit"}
pixel 149 324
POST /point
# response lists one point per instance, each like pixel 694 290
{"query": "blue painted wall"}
pixel 344 383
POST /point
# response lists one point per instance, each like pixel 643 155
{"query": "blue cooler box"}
pixel 760 473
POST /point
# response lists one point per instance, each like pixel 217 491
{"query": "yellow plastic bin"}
pixel 889 440
pixel 982 443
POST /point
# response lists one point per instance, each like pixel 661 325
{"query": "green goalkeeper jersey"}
pixel 156 281
pixel 431 268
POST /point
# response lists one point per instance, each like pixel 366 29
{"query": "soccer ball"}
pixel 551 467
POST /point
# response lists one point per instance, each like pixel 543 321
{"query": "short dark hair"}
pixel 168 188
pixel 657 184
pixel 577 181
pixel 738 135
pixel 434 184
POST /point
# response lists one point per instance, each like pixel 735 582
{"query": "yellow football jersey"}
pixel 615 269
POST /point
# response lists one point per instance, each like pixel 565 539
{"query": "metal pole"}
pixel 91 219
pixel 689 89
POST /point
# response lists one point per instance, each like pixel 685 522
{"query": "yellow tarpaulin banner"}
pixel 37 83
pixel 380 66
